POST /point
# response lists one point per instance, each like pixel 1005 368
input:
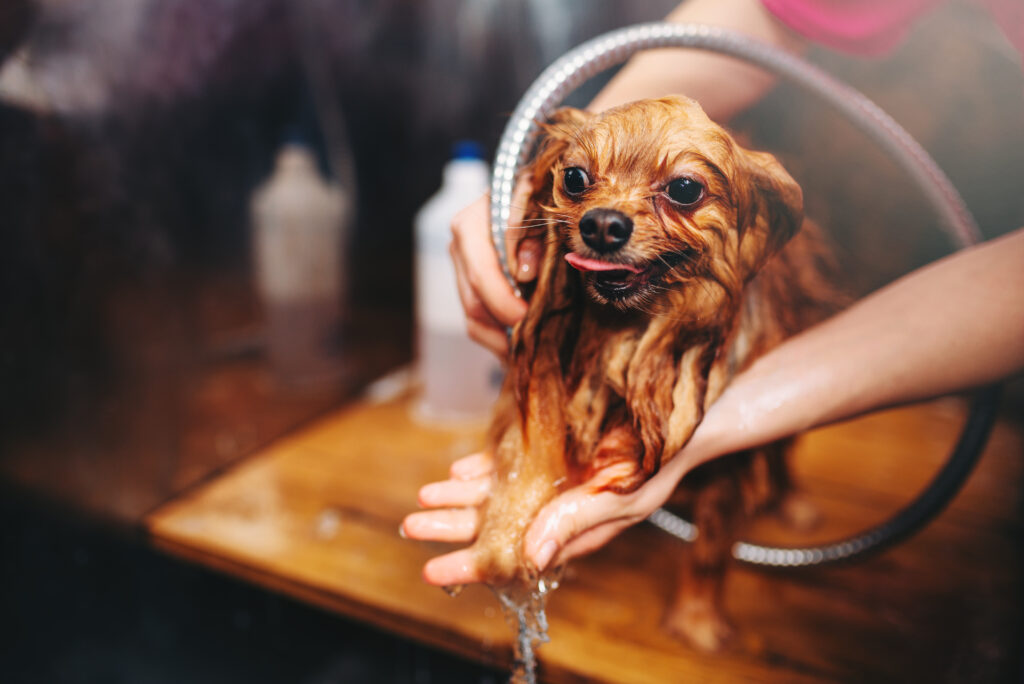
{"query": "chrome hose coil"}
pixel 613 48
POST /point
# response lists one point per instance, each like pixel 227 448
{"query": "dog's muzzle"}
pixel 605 230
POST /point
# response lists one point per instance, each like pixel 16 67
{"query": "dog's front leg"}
pixel 531 465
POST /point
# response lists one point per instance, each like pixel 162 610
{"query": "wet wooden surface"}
pixel 316 515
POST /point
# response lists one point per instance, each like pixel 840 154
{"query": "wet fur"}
pixel 594 383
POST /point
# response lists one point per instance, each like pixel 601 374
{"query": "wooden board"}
pixel 316 516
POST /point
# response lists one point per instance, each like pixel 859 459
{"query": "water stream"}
pixel 523 604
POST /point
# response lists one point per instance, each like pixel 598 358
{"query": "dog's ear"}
pixel 549 290
pixel 556 135
pixel 770 208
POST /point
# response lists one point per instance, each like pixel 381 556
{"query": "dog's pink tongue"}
pixel 582 263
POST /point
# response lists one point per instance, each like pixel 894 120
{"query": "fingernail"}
pixel 401 531
pixel 545 554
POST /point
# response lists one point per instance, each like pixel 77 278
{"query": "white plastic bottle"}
pixel 459 378
pixel 299 234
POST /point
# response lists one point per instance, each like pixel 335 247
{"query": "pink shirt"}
pixel 873 27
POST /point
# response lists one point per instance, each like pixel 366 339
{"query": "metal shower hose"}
pixel 613 48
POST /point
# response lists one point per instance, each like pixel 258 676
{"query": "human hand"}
pixel 490 303
pixel 576 522
pixel 454 518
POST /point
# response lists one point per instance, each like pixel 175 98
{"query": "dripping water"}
pixel 524 604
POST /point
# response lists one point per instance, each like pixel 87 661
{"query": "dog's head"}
pixel 653 200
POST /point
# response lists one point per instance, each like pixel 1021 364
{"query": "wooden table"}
pixel 315 515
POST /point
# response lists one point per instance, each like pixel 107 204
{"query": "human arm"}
pixel 723 85
pixel 950 326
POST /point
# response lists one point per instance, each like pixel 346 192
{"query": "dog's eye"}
pixel 685 191
pixel 574 180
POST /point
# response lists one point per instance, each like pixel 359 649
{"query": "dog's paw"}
pixel 617 462
pixel 622 477
pixel 700 625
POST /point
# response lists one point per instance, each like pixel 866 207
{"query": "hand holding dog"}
pixel 575 523
pixel 488 300
pixel 578 521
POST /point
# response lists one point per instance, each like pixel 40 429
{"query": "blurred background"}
pixel 135 137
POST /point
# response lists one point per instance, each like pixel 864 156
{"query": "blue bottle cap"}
pixel 467 149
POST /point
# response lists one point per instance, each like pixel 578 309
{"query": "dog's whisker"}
pixel 544 221
pixel 533 227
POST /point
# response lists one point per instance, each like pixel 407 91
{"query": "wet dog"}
pixel 672 258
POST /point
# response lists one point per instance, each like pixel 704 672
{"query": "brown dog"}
pixel 672 259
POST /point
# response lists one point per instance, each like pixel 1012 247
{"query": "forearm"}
pixel 956 324
pixel 722 85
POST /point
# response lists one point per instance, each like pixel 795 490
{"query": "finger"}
pixel 472 466
pixel 481 326
pixel 586 517
pixel 471 303
pixel 453 493
pixel 492 338
pixel 471 238
pixel 449 525
pixel 528 259
pixel 590 540
pixel 568 516
pixel 457 567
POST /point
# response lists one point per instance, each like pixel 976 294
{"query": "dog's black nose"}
pixel 605 230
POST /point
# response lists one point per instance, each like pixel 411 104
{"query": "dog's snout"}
pixel 605 230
